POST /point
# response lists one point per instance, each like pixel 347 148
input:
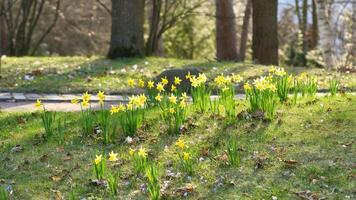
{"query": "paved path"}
pixel 24 102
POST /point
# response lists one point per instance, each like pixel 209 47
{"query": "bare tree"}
pixel 226 41
pixel 244 31
pixel 166 14
pixel 265 32
pixel 21 21
pixel 325 33
pixel 353 54
pixel 127 28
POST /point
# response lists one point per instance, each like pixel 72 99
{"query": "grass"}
pixel 79 74
pixel 309 147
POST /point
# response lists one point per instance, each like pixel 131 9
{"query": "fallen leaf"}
pixel 44 158
pixel 56 178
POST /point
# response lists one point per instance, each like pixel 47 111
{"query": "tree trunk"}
pixel 265 32
pixel 127 28
pixel 325 34
pixel 244 32
pixel 315 35
pixel 153 40
pixel 3 37
pixel 226 38
pixel 304 30
pixel 353 54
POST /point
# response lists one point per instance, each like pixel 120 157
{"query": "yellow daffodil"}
pixel 177 80
pixel 38 103
pixel 172 99
pixel 142 100
pixel 236 78
pixel 164 81
pixel 98 159
pixel 113 109
pixel 131 82
pixel 141 83
pixel 188 76
pixel 113 156
pixel 202 78
pixel 150 84
pixel 280 72
pixel 74 101
pixel 272 69
pixel 272 87
pixel 173 88
pixel 129 106
pixel 180 143
pixel 85 103
pixel 132 151
pixel 120 107
pixel 186 156
pixel 86 96
pixel 220 80
pixel 247 86
pixel 182 104
pixel 160 87
pixel 158 97
pixel 194 81
pixel 171 110
pixel 101 97
pixel 184 96
pixel 142 152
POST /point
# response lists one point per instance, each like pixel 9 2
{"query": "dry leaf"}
pixel 56 178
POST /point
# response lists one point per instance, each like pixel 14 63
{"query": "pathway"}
pixel 24 102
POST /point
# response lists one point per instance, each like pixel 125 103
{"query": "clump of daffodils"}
pixel 262 96
pixel 100 164
pixel 173 110
pixel 185 158
pixel 200 92
pixel 226 101
pixel 48 119
pixel 282 81
pixel 87 117
pixel 139 157
pixel 130 115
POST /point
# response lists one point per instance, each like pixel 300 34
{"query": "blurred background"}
pixel 187 29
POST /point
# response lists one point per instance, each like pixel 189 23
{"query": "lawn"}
pixel 306 152
pixel 79 74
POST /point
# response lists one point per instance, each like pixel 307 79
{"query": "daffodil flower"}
pixel 113 156
pixel 38 103
pixel 98 159
pixel 177 80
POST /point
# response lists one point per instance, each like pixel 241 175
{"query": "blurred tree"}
pixel 127 28
pixel 166 14
pixel 315 35
pixel 265 32
pixel 21 19
pixel 226 41
pixel 325 33
pixel 245 29
pixel 353 53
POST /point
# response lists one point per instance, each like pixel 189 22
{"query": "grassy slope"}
pixel 78 74
pixel 319 135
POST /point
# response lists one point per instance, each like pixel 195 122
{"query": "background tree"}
pixel 265 32
pixel 167 14
pixel 226 41
pixel 21 18
pixel 127 28
pixel 245 30
pixel 325 33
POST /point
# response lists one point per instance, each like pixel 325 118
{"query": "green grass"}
pixel 318 134
pixel 79 74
